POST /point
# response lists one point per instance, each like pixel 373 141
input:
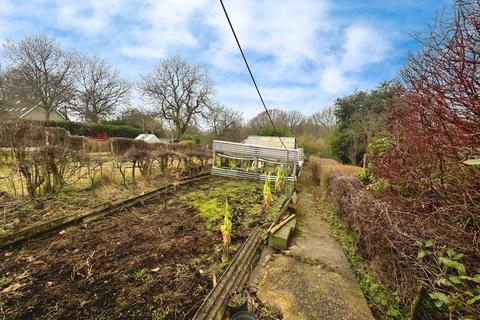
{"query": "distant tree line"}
pixel 180 97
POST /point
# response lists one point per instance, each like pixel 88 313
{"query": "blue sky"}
pixel 304 53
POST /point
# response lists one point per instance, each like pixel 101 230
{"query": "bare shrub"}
pixel 61 165
pixel 19 136
pixel 141 145
pixel 120 146
pixel 121 164
pixel 144 159
pixel 96 146
pixel 390 230
pixel 77 143
pixel 56 136
pixel 322 169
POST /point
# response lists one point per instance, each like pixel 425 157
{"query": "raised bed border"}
pixel 232 279
pixel 213 306
pixel 44 227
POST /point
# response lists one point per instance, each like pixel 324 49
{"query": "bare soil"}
pixel 151 262
pixel 19 213
pixel 139 265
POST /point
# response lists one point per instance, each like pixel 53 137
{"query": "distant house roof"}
pixel 14 112
pixel 150 138
pixel 267 141
pixel 21 112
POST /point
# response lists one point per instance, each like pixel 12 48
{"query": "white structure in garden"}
pixel 256 157
pixel 151 138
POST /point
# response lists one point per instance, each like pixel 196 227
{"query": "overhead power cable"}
pixel 251 74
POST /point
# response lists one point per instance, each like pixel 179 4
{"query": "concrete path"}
pixel 312 280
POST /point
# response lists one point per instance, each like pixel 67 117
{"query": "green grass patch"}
pixel 244 199
pixel 143 275
pixel 209 210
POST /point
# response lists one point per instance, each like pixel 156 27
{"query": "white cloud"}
pixel 363 46
pixel 88 16
pixel 164 24
pixel 334 81
pixel 282 35
pixel 6 7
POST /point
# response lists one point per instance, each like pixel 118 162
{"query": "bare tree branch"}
pixel 100 90
pixel 222 120
pixel 45 68
pixel 179 91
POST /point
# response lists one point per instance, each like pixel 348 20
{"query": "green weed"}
pixel 456 292
pixel 209 210
pixel 160 314
pixel 5 281
pixel 25 210
pixel 364 177
pixel 6 227
pixel 380 185
pixel 143 275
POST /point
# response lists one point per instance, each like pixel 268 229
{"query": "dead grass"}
pixel 323 169
pixel 107 174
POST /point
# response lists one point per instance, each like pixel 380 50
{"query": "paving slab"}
pixel 312 280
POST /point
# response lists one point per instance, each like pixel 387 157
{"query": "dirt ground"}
pixel 152 262
pixel 16 213
pixel 139 265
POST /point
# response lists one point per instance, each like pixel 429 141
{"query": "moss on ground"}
pixel 244 198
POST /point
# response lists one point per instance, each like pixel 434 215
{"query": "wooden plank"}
pixel 281 224
pixel 105 209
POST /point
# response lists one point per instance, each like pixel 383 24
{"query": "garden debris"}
pixel 12 288
pixel 169 282
pixel 279 235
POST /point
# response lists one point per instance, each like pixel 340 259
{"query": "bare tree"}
pixel 100 90
pixel 261 120
pixel 180 91
pixel 222 120
pixel 142 118
pixel 45 67
pixel 3 86
pixel 325 118
pixel 295 121
pixel 15 89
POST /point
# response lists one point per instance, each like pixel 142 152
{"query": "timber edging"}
pixel 41 228
pixel 236 275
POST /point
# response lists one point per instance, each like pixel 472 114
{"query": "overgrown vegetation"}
pixel 418 222
pixel 382 226
pixel 323 169
pixel 383 300
pixel 44 165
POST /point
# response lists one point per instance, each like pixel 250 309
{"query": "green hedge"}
pixel 91 129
